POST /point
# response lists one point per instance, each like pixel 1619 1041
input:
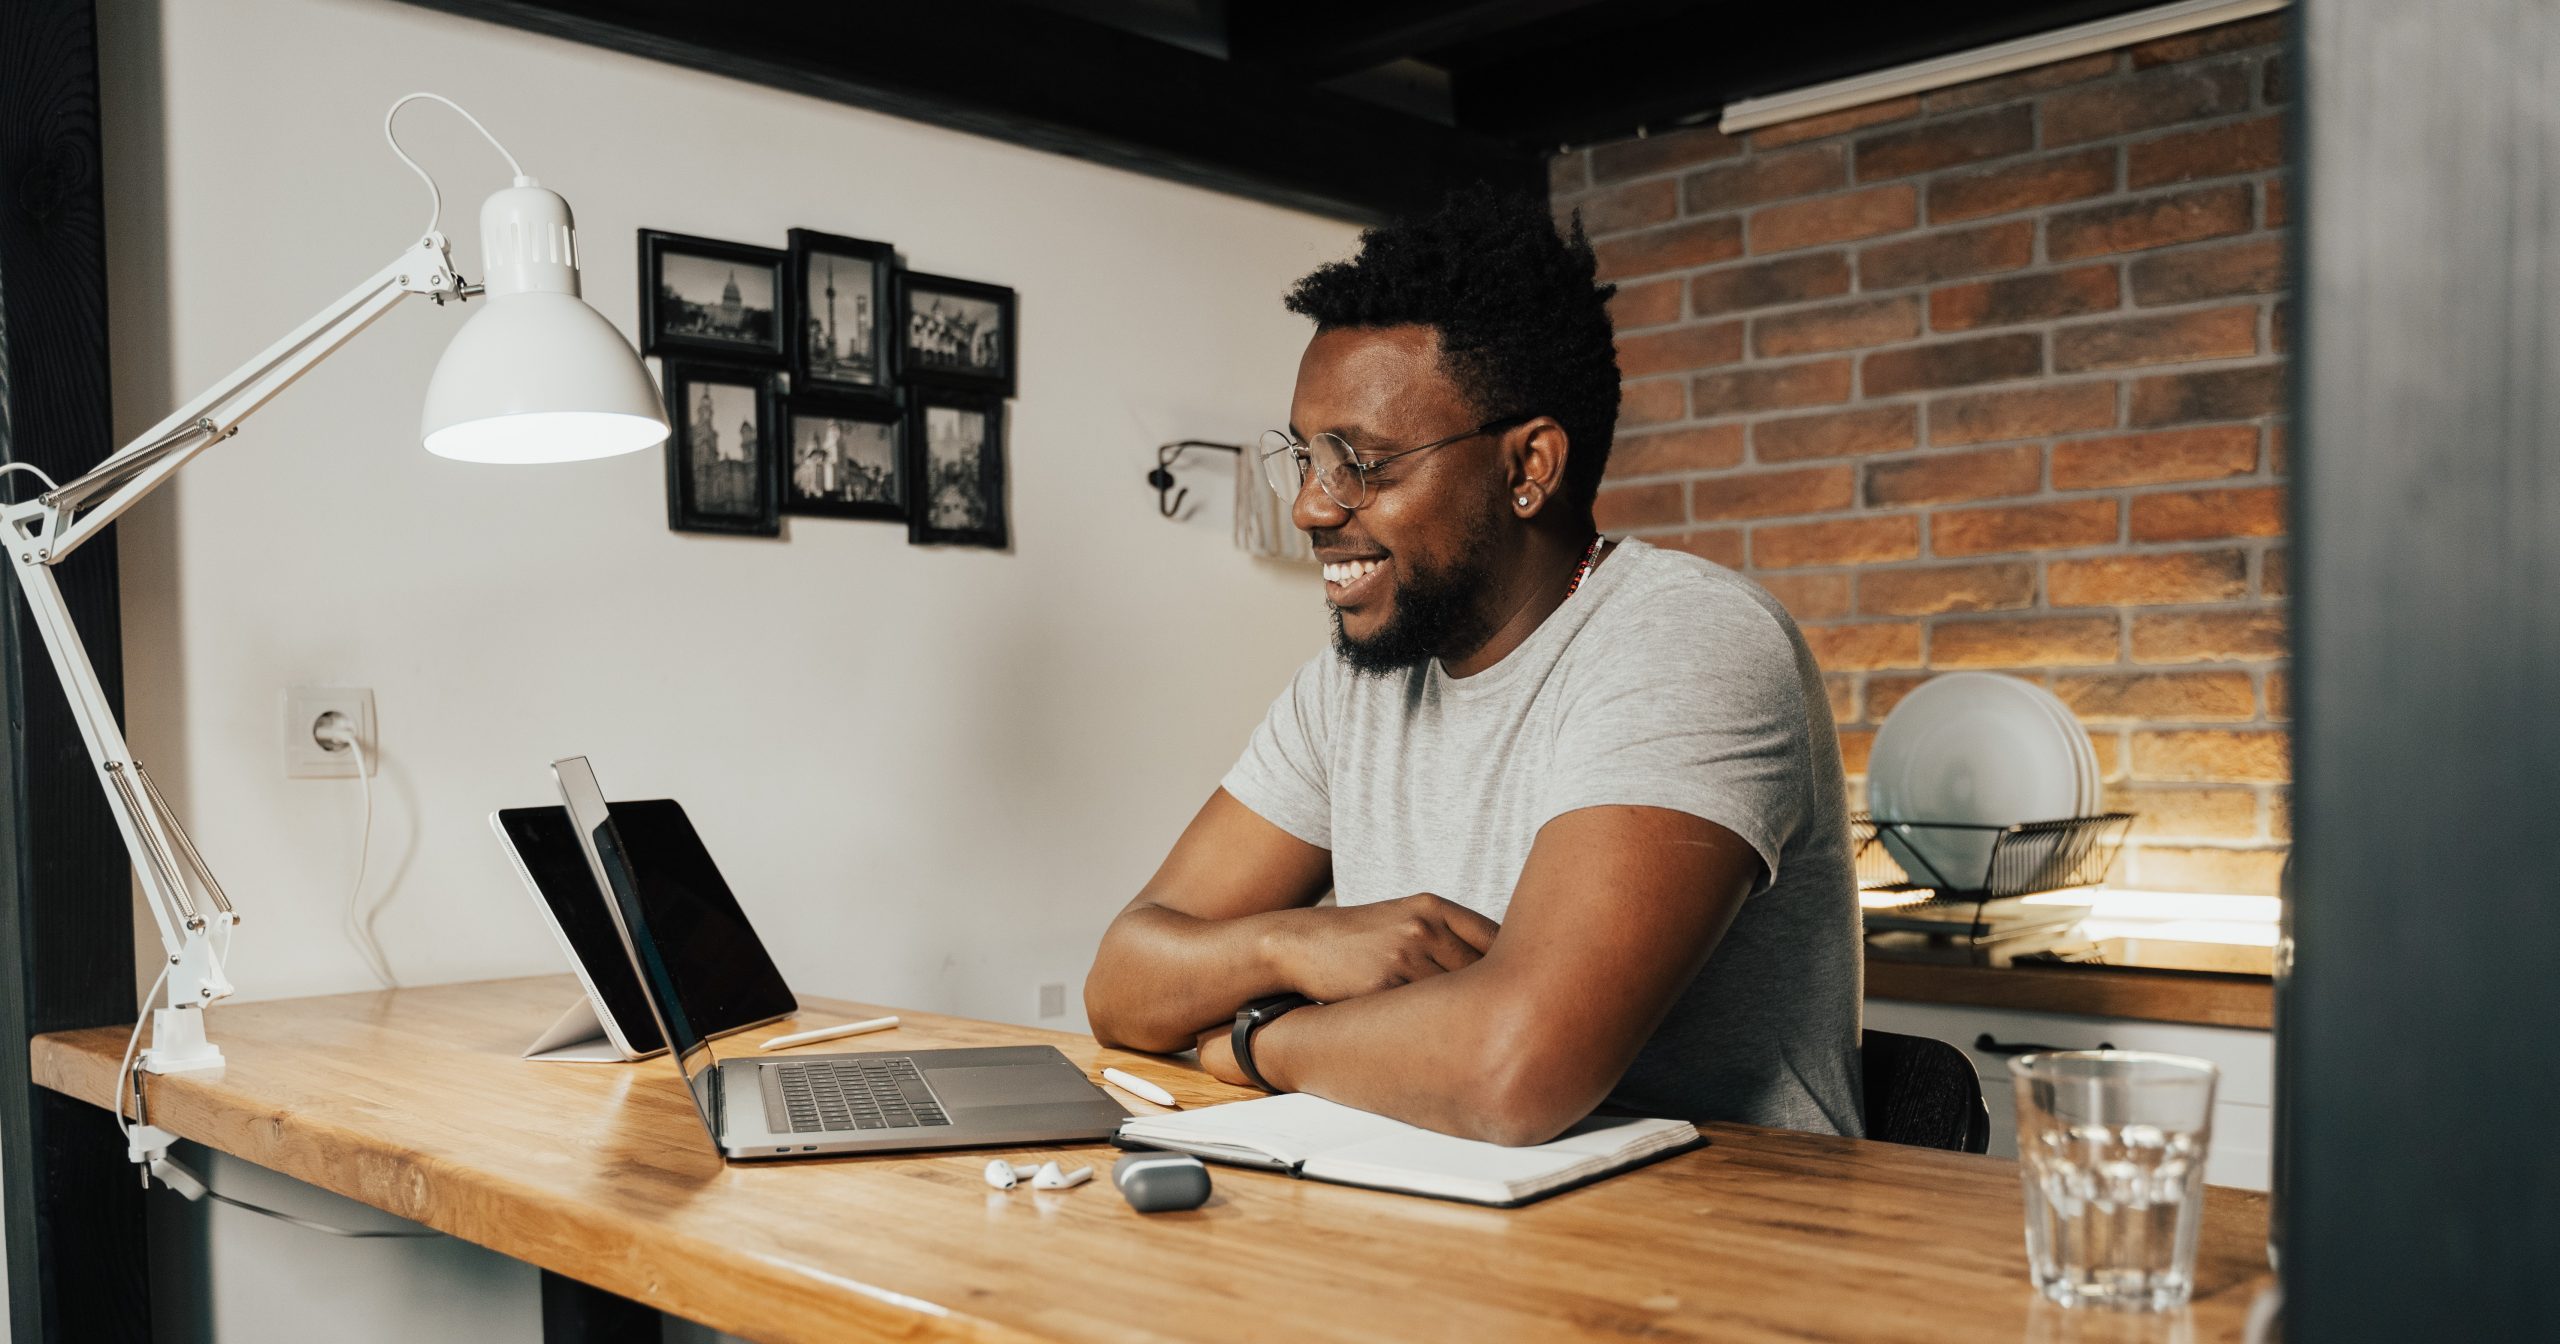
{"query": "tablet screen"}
pixel 696 917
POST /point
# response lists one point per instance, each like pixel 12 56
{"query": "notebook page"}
pixel 1437 1164
pixel 1289 1128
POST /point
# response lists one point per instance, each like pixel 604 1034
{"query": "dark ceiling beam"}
pixel 1320 39
pixel 1050 81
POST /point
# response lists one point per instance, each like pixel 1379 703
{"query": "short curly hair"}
pixel 1523 321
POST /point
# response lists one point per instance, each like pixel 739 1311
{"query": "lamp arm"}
pixel 41 532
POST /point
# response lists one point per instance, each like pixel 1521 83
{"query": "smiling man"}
pixel 1579 802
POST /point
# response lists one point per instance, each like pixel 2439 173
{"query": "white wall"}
pixel 931 774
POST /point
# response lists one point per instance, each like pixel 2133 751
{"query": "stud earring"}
pixel 1524 501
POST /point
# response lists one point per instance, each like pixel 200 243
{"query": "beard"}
pixel 1436 613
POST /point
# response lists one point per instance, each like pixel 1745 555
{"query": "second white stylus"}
pixel 829 1033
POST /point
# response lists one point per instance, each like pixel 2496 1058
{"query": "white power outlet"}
pixel 1053 1001
pixel 305 757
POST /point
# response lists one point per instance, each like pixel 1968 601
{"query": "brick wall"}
pixel 1991 378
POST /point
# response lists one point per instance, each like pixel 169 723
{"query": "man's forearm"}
pixel 1163 977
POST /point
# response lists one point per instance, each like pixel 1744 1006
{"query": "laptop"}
pixel 815 1105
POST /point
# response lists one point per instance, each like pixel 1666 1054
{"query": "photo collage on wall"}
pixel 826 380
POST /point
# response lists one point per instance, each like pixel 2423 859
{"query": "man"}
pixel 1580 804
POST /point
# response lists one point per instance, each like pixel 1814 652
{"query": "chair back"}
pixel 1922 1092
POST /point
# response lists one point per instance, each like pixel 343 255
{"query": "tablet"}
pixel 708 936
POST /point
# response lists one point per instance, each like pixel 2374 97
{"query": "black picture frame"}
pixel 738 496
pixel 948 506
pixel 842 480
pixel 832 326
pixel 676 326
pixel 926 362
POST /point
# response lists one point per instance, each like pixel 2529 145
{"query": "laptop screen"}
pixel 610 859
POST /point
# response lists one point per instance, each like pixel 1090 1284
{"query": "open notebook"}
pixel 1325 1141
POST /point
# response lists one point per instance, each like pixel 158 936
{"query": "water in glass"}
pixel 2111 1148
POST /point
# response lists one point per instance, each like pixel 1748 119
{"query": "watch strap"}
pixel 1254 1017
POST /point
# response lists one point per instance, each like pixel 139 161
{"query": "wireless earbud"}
pixel 1050 1178
pixel 1005 1175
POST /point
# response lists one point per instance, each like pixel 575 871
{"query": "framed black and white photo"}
pixel 841 333
pixel 723 451
pixel 702 296
pixel 844 458
pixel 955 453
pixel 955 333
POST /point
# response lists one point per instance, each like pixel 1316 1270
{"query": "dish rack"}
pixel 2027 859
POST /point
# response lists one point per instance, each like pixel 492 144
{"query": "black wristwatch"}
pixel 1252 1018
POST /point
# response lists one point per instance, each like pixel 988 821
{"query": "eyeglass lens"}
pixel 1285 466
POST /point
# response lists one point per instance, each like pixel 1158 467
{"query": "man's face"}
pixel 1421 550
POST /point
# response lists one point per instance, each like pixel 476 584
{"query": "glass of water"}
pixel 2111 1147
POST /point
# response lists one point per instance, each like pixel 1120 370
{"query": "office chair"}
pixel 1922 1092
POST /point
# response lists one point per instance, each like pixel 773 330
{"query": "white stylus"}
pixel 829 1033
pixel 1141 1087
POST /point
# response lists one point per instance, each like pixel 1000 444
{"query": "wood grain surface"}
pixel 2147 996
pixel 415 1101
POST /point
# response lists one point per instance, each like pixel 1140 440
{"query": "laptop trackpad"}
pixel 1008 1085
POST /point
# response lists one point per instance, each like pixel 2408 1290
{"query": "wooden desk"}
pixel 414 1101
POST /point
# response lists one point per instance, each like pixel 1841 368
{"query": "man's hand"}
pixel 1218 1056
pixel 1345 952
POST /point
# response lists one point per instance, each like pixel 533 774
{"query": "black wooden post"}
pixel 73 1206
pixel 2421 1191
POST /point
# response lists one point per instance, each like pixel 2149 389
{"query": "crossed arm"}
pixel 1425 1010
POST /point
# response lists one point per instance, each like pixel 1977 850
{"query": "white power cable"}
pixel 31 469
pixel 356 924
pixel 435 198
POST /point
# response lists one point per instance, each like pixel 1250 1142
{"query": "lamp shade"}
pixel 538 376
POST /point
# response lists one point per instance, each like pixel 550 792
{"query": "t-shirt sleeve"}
pixel 1283 775
pixel 1697 705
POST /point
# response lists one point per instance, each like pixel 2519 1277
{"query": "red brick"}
pixel 2034 641
pixel 2238 756
pixel 2205 454
pixel 2275 577
pixel 1810 597
pixel 2215 394
pixel 2051 180
pixel 1846 541
pixel 1940 589
pixel 2147 580
pixel 2206 515
pixel 1761 284
pixel 2023 298
pixel 2233 36
pixel 1952 478
pixel 1674 247
pixel 2252 267
pixel 1765 177
pixel 1981 359
pixel 2214 333
pixel 1834 123
pixel 2214 151
pixel 1679 349
pixel 2279 695
pixel 1860 647
pixel 1843 694
pixel 1629 506
pixel 2209 637
pixel 2280 327
pixel 1947 255
pixel 2279 451
pixel 2002 88
pixel 1821 383
pixel 2190 813
pixel 1567 173
pixel 1722 545
pixel 2109 749
pixel 1631 205
pixel 1856 745
pixel 2160 697
pixel 2245 872
pixel 1708 448
pixel 2160 98
pixel 1947 142
pixel 1885 690
pixel 1660 154
pixel 1834 219
pixel 2024 527
pixel 2279 210
pixel 1872 429
pixel 2277 88
pixel 2153 221
pixel 1653 402
pixel 1840 326
pixel 1771 494
pixel 2026 413
pixel 1650 304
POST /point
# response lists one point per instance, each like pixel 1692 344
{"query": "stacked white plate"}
pixel 1981 748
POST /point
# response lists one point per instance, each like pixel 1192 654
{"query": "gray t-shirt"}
pixel 1667 681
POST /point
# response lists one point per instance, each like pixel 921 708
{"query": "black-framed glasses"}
pixel 1340 473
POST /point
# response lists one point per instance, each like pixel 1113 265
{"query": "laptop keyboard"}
pixel 873 1092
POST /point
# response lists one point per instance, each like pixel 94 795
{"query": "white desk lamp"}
pixel 539 377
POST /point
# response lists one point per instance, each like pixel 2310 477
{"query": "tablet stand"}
pixel 577 1038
